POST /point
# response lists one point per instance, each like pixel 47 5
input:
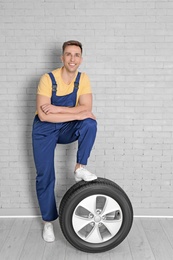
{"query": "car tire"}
pixel 95 216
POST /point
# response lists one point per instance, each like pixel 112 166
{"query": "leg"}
pixel 85 143
pixel 44 143
pixel 85 132
pixel 87 135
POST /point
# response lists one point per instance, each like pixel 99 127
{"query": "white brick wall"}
pixel 128 54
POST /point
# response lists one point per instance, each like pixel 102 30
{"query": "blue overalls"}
pixel 46 135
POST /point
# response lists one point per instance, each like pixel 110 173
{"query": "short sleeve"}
pixel 85 85
pixel 45 86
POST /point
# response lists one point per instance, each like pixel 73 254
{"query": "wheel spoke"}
pixel 79 222
pixel 86 230
pixel 100 203
pixel 110 206
pixel 89 203
pixel 82 212
pixel 113 227
pixel 104 232
pixel 94 236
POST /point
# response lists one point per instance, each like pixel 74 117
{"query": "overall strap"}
pixel 76 83
pixel 54 85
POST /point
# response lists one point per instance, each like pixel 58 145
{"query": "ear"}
pixel 62 58
pixel 81 60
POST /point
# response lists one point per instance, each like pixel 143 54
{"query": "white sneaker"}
pixel 48 233
pixel 83 174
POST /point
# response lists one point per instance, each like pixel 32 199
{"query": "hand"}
pixel 86 114
pixel 50 109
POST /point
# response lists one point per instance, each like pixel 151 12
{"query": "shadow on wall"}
pixel 52 63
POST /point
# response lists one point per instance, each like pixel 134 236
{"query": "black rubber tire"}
pixel 79 192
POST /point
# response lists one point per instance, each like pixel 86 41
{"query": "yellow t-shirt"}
pixel 45 85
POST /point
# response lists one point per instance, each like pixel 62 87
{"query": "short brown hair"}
pixel 71 42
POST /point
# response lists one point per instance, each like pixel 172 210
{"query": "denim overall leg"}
pixel 45 137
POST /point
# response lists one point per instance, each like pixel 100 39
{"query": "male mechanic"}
pixel 64 115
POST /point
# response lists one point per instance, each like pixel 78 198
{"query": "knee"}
pixel 90 124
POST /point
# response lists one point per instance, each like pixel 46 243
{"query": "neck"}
pixel 67 76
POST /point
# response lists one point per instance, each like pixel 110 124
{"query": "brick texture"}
pixel 128 54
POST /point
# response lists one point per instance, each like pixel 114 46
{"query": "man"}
pixel 64 115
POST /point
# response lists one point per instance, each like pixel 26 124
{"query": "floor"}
pixel 149 238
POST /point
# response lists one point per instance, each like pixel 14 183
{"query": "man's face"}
pixel 72 58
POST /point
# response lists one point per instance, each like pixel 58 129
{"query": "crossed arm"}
pixel 57 114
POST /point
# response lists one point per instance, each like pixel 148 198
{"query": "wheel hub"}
pixel 97 219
